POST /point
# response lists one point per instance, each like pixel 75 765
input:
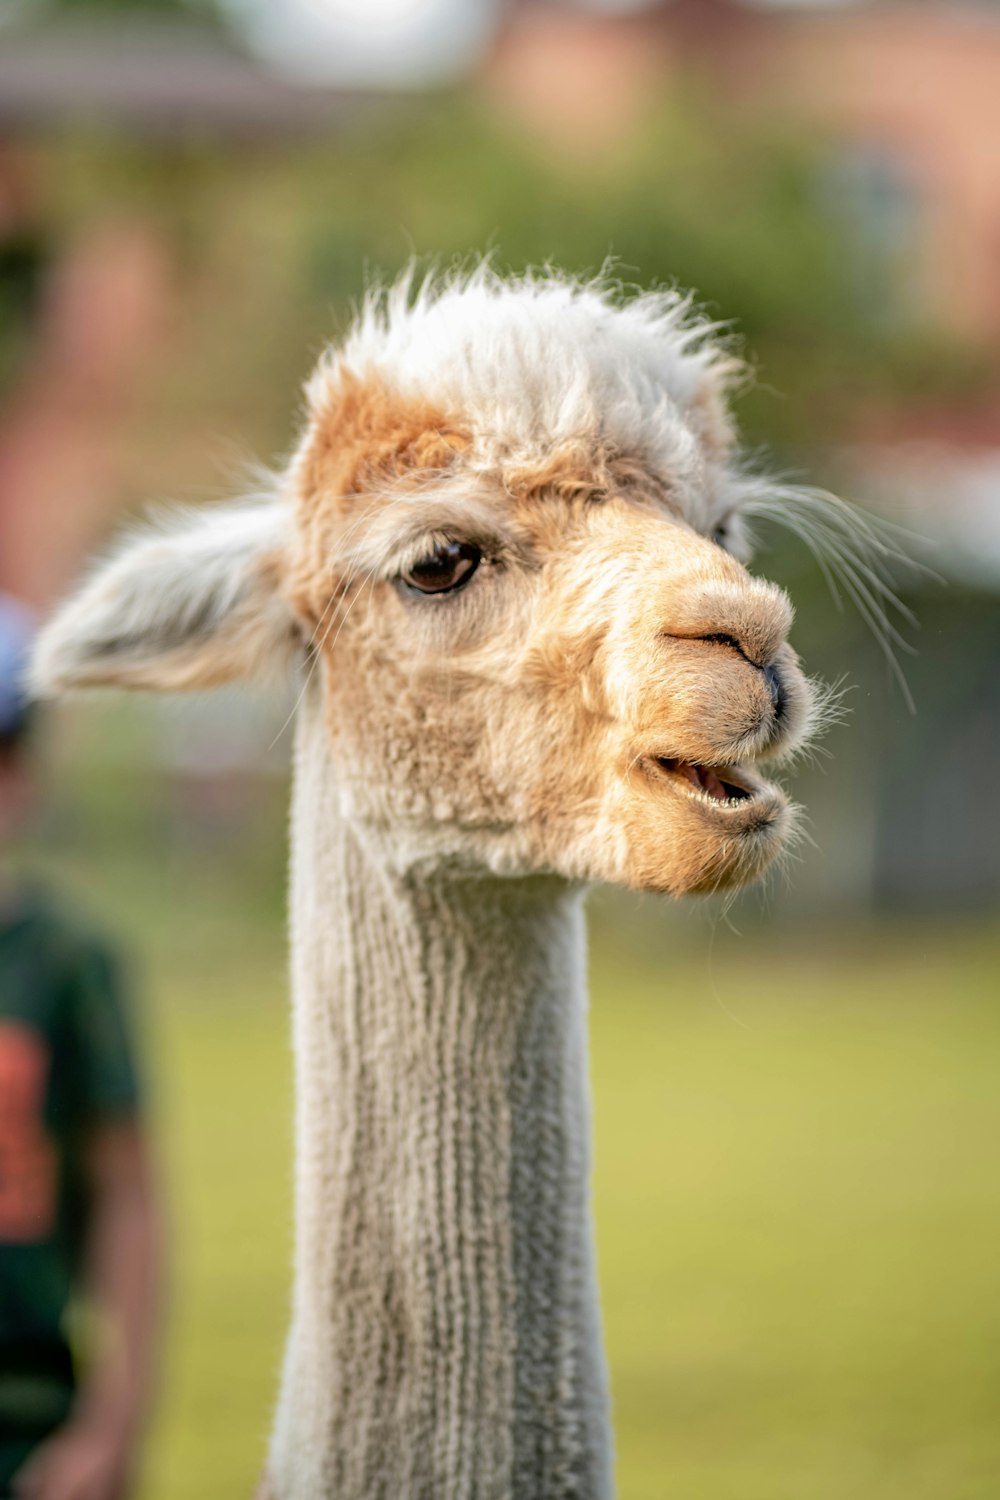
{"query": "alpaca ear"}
pixel 189 604
pixel 709 409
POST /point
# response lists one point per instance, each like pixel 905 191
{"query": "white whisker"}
pixel 859 556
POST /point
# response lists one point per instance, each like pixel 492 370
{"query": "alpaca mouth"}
pixel 723 784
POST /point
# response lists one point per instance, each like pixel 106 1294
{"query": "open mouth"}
pixel 717 782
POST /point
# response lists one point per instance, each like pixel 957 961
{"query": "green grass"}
pixel 796 1189
pixel 798 1215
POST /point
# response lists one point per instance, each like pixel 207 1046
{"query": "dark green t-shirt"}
pixel 65 1064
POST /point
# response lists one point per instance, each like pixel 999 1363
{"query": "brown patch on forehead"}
pixel 362 434
pixel 362 437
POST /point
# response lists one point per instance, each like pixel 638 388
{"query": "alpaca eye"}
pixel 720 536
pixel 448 567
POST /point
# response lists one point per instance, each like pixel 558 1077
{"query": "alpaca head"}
pixel 508 547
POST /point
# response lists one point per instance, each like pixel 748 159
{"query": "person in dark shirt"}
pixel 78 1210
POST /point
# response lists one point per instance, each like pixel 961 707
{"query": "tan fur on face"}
pixel 580 471
pixel 519 722
pixel 361 437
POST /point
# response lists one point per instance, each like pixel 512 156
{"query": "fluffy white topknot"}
pixel 541 360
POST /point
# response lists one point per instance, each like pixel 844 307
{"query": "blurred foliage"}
pixel 272 241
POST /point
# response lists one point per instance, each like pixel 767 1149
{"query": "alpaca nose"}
pixel 776 688
pixel 771 675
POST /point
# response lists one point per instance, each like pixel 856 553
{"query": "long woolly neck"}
pixel 445 1338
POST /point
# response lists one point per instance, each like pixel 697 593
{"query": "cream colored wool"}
pixel 445 1334
pixel 590 705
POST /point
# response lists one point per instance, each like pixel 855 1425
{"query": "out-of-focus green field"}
pixel 797 1192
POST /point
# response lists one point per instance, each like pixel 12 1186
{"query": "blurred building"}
pixel 160 76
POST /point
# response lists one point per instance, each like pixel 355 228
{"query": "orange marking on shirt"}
pixel 27 1155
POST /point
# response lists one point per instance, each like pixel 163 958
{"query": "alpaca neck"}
pixel 445 1338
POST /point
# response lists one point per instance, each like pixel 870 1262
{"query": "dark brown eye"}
pixel 449 566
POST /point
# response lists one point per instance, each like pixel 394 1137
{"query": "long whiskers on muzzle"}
pixel 860 556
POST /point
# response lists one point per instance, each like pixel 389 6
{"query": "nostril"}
pixel 776 690
pixel 724 640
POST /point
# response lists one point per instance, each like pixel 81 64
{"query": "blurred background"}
pixel 797 1108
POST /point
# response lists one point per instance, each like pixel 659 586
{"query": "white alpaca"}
pixel 504 553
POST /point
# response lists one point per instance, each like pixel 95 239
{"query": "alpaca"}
pixel 507 555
